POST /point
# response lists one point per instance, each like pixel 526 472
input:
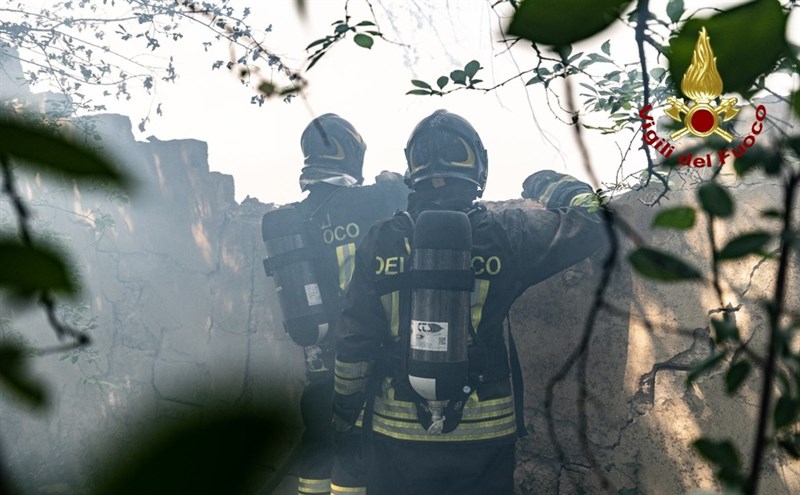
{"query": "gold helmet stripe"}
pixel 470 161
pixel 339 151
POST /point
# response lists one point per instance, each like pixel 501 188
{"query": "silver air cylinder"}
pixel 437 361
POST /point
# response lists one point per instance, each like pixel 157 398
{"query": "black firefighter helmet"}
pixel 444 144
pixel 333 152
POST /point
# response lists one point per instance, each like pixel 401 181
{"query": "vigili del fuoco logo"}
pixel 701 117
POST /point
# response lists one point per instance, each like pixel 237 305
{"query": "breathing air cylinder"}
pixel 289 263
pixel 440 309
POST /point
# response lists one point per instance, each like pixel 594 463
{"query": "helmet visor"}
pixel 439 147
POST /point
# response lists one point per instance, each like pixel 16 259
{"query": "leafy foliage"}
pixel 745 244
pixel 78 45
pixel 749 43
pixel 15 376
pixel 459 77
pixel 27 270
pixel 209 452
pixel 39 147
pixel 680 217
pixel 364 34
pixel 660 265
pixel 561 22
pixel 715 200
pixel 722 454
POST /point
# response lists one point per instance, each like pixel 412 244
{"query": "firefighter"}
pixel 310 253
pixel 463 444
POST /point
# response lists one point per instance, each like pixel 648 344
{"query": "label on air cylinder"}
pixel 429 335
pixel 312 295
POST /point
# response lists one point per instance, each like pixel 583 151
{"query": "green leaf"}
pixel 606 47
pixel 786 411
pixel 341 28
pixel 314 59
pixel 459 77
pixel 768 158
pixel 675 10
pixel 534 80
pixel 725 330
pixel 420 84
pixel 740 59
pixel 442 81
pixel 720 453
pixel 791 445
pixel 363 40
pixel 724 456
pixel 205 452
pixel 267 88
pixel 680 217
pixel 472 68
pixel 736 376
pixel 15 376
pixel 317 42
pixel 705 366
pixel 365 23
pixel 564 51
pixel 42 150
pixel 27 270
pixel 561 22
pixel 743 245
pixel 658 73
pixel 419 92
pixel 715 200
pixel 659 265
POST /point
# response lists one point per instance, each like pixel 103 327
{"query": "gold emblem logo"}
pixel 702 84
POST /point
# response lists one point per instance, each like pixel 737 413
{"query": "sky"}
pixel 259 145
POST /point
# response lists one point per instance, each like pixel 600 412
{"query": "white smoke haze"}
pixel 174 289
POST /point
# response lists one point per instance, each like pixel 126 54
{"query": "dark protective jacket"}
pixel 337 220
pixel 512 250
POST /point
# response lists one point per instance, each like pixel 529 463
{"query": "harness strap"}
pixel 516 384
pixel 457 280
pixel 282 260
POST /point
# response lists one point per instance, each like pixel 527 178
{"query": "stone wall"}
pixel 642 416
pixel 182 315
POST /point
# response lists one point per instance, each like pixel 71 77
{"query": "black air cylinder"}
pixel 288 262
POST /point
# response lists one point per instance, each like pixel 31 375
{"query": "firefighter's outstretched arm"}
pixel 358 339
pixel 567 231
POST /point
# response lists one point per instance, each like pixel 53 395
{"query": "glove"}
pixel 552 189
pixel 386 176
pixel 341 425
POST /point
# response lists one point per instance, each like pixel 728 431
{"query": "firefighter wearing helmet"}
pixel 421 357
pixel 310 255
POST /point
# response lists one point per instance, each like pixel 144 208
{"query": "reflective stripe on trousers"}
pixel 348 490
pixel 482 420
pixel 307 486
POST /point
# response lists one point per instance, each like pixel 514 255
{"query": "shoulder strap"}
pixel 516 383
